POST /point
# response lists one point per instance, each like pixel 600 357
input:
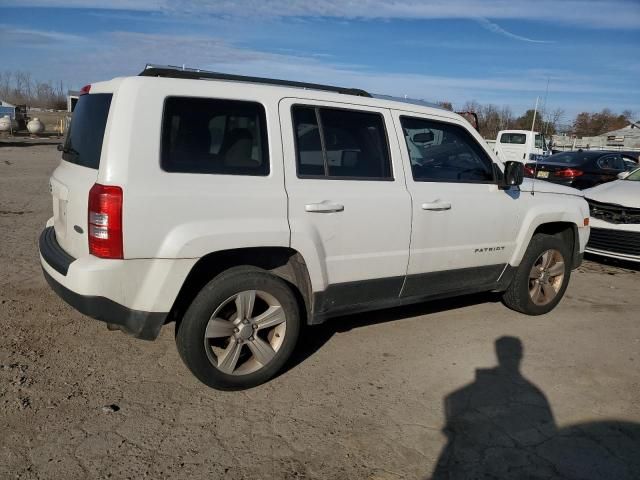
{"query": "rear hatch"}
pixel 78 171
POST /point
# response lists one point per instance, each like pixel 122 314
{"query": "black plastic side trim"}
pixel 460 279
pixel 354 293
pixel 577 259
pixel 577 256
pixel 383 303
pixel 144 325
pixel 53 253
pixel 506 278
pixel 362 296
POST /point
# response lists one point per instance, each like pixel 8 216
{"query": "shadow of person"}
pixel 501 427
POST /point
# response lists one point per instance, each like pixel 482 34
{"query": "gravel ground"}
pixel 405 393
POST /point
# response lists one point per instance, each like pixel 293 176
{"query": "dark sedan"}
pixel 581 169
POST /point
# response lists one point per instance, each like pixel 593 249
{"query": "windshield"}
pixel 635 176
pixel 83 145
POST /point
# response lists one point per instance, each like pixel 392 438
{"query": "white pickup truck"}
pixel 519 146
pixel 242 208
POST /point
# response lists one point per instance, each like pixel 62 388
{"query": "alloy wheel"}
pixel 245 332
pixel 546 277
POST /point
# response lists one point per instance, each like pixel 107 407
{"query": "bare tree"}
pixel 506 118
pixel 19 88
pixel 629 115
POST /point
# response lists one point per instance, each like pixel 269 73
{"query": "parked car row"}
pixel 615 217
pixel 611 184
pixel 581 169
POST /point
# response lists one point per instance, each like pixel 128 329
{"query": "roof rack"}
pixel 196 74
pixel 411 101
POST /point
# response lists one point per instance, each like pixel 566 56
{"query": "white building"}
pixel 626 138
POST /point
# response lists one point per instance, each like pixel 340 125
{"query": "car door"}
pixel 464 227
pixel 349 209
pixel 611 165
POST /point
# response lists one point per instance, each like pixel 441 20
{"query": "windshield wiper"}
pixel 71 150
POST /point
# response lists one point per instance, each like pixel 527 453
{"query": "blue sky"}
pixel 491 51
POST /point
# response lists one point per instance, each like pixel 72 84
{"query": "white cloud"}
pixel 102 58
pixel 495 28
pixel 588 13
pixel 29 37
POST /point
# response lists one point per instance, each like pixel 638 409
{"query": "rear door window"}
pixel 204 135
pixel 83 144
pixel 341 144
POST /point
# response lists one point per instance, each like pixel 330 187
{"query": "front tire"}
pixel 542 277
pixel 240 329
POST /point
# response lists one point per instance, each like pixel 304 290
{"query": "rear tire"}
pixel 240 329
pixel 541 278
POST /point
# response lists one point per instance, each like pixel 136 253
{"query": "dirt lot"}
pixel 364 398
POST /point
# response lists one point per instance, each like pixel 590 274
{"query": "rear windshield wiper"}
pixel 68 150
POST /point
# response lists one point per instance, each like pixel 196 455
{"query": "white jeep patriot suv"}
pixel 241 208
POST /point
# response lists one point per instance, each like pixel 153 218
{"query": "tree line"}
pixel 493 118
pixel 18 88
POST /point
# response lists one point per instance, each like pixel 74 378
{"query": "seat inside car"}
pixel 237 149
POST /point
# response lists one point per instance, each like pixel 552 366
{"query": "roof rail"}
pixel 410 101
pixel 196 74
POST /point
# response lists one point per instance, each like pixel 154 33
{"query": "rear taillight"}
pixel 529 171
pixel 568 172
pixel 86 89
pixel 105 221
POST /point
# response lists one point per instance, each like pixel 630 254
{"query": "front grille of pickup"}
pixel 615 241
pixel 612 213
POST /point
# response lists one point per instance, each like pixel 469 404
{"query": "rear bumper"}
pixel 567 182
pixel 144 325
pixel 136 295
pixel 53 253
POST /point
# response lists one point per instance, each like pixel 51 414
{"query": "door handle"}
pixel 436 206
pixel 323 207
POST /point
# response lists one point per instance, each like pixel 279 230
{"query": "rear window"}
pixel 517 138
pixel 203 135
pixel 575 158
pixel 84 139
pixel 564 158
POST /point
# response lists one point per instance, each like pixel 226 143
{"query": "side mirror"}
pixel 513 174
pixel 623 175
